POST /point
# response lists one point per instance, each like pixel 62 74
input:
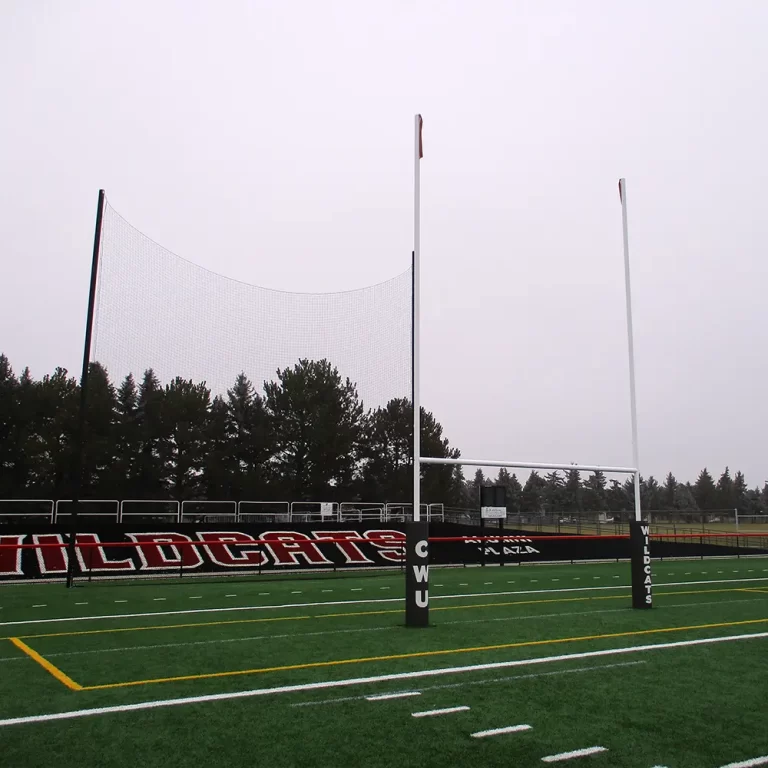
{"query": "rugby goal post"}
pixel 417 538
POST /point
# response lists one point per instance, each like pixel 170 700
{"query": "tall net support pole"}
pixel 640 540
pixel 417 533
pixel 77 458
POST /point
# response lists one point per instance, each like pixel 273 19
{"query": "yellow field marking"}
pixel 504 604
pixel 754 589
pixel 420 654
pixel 46 665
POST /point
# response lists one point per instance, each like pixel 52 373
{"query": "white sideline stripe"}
pixel 388 696
pixel 508 678
pixel 326 684
pixel 366 601
pixel 497 731
pixel 748 763
pixel 570 755
pixel 444 711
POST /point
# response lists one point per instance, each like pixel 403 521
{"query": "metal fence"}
pixel 210 511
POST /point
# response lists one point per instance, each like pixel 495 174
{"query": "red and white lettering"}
pixel 152 551
pixel 10 559
pixel 95 559
pixel 352 553
pixel 51 559
pixel 241 557
pixel 395 552
pixel 286 546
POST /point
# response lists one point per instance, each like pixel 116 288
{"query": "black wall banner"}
pixel 642 581
pixel 130 550
pixel 417 575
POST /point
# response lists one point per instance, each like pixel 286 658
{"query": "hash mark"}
pixel 81 603
pixel 43 605
pixel 497 731
pixel 195 597
pixel 230 595
pixel 444 711
pixel 121 601
pixel 158 598
pixel 576 753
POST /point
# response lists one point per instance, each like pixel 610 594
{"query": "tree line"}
pixel 306 435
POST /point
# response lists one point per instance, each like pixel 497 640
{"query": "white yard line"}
pixel 749 763
pixel 437 712
pixel 365 601
pixel 329 684
pixel 570 755
pixel 499 731
pixel 465 683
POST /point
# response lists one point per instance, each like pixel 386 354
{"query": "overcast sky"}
pixel 273 142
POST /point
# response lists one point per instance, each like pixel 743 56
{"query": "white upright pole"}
pixel 631 346
pixel 416 316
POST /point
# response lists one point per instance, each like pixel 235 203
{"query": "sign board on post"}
pixel 493 502
pixel 326 509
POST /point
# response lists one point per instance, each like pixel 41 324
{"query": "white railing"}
pixel 219 516
pixel 264 511
pixel 145 510
pixel 85 502
pixel 311 511
pixel 49 513
pixel 357 511
pixel 174 515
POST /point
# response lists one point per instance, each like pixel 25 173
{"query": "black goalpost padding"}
pixel 640 554
pixel 417 574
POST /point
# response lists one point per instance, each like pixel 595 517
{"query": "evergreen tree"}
pixel 668 491
pixel 619 497
pixel 595 496
pixel 125 475
pixel 219 463
pixel 473 489
pixel 99 439
pixel 554 498
pixel 151 477
pixel 317 422
pixel 514 490
pixel 248 429
pixel 574 501
pixel 54 401
pixel 650 493
pixel 740 494
pixel 184 416
pixel 534 492
pixel 726 491
pixel 705 492
pixel 9 430
pixel 685 500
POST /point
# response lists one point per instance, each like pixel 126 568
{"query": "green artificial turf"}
pixel 696 706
